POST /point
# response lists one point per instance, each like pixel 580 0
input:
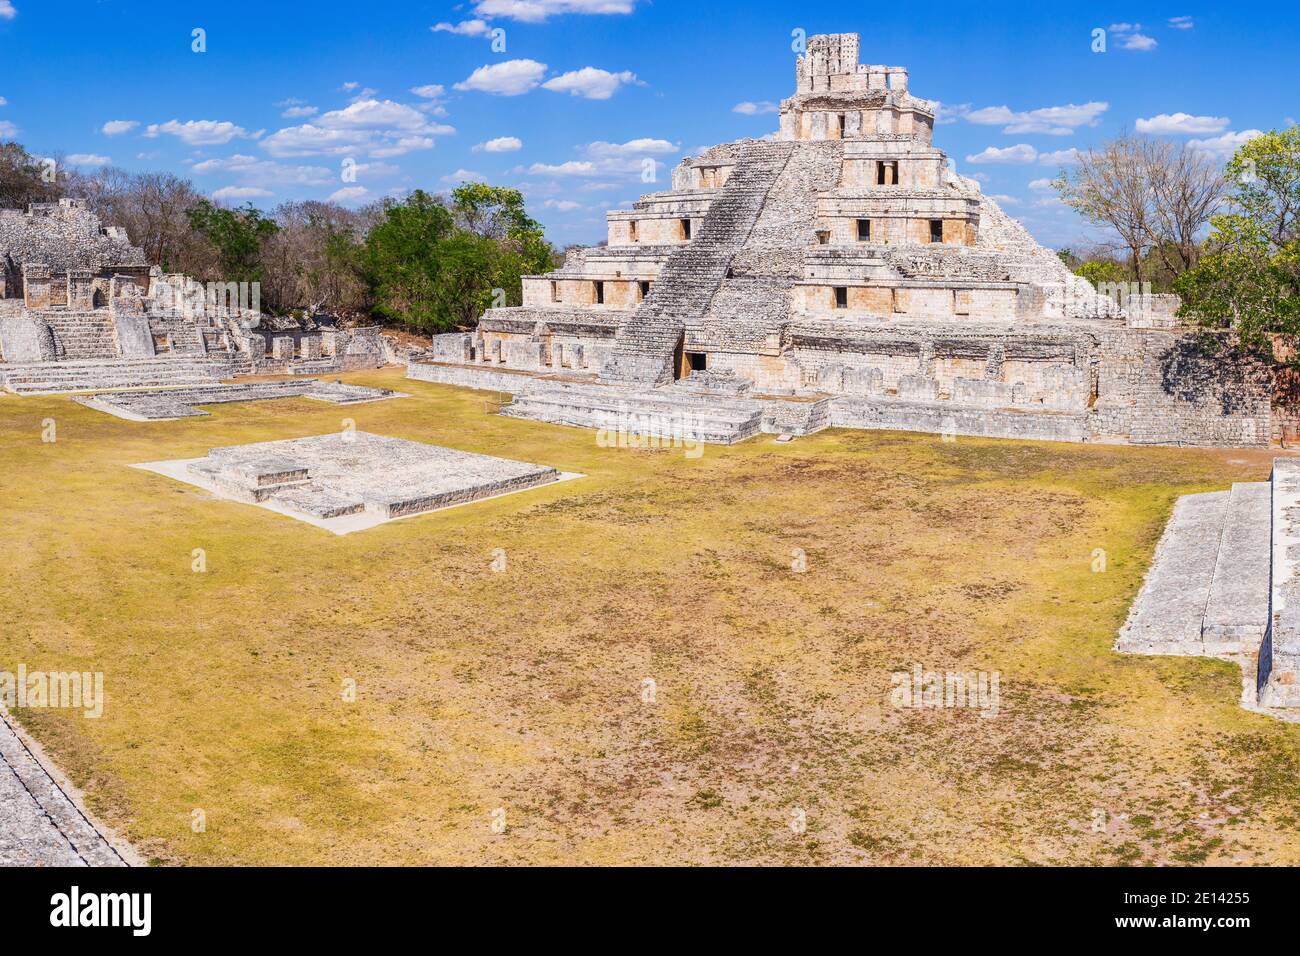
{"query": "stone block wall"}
pixel 1156 387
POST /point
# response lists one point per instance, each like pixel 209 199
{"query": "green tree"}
pixel 237 236
pixel 23 178
pixel 1248 281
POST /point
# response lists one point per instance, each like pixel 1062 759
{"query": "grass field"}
pixel 520 696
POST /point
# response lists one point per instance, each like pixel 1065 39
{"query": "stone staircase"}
pixel 645 344
pixel 82 335
pixel 654 417
pixel 1206 592
pixel 90 375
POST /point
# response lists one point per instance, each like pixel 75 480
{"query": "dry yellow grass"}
pixel 524 690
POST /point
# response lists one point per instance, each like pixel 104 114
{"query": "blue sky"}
pixel 288 97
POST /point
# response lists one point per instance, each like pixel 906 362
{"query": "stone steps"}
pixel 645 344
pixel 1236 614
pixel 85 376
pixel 663 416
pixel 1206 592
pixel 82 335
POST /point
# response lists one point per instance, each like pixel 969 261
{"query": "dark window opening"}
pixel 864 230
pixel 887 173
pixel 823 237
pixel 936 230
pixel 645 287
pixel 841 297
pixel 686 229
pixel 555 291
pixel 841 126
pixel 631 230
pixel 699 361
pixel 600 292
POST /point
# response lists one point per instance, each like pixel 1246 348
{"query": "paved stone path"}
pixel 39 824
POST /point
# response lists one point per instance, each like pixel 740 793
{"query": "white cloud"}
pixel 572 168
pixel 1222 147
pixel 1181 23
pixel 510 78
pixel 1125 27
pixel 8 130
pixel 404 145
pixel 374 114
pixel 265 172
pixel 376 127
pixel 199 132
pixel 349 86
pixel 591 83
pixel 466 28
pixel 755 109
pixel 118 127
pixel 89 159
pixel 241 192
pixel 1171 124
pixel 633 147
pixel 1041 185
pixel 1020 154
pixel 430 91
pixel 502 144
pixel 1052 120
pixel 1062 157
pixel 1139 42
pixel 564 205
pixel 7 11
pixel 1004 200
pixel 945 113
pixel 350 195
pixel 297 112
pixel 535 11
pixel 464 176
pixel 3 101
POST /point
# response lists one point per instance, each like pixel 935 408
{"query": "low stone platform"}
pixel 718 409
pixel 49 378
pixel 174 403
pixel 1207 591
pixel 689 410
pixel 349 481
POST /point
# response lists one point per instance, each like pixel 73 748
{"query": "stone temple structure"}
pixel 81 308
pixel 840 273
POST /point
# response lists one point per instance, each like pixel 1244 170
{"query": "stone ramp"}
pixel 50 378
pixel 1207 591
pixel 1236 614
pixel 645 344
pixel 1169 613
pixel 40 825
pixel 661 415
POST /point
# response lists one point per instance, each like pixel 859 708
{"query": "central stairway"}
pixel 645 345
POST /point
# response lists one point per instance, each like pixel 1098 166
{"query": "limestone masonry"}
pixel 81 309
pixel 352 480
pixel 842 274
pixel 1224 583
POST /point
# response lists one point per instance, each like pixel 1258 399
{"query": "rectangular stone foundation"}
pixel 348 481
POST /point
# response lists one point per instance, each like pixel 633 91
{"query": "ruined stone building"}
pixel 840 273
pixel 81 308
